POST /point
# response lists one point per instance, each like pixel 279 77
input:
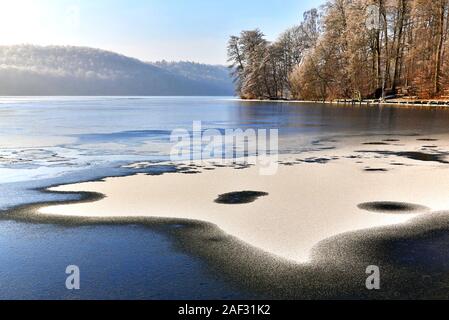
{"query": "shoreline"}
pixel 348 102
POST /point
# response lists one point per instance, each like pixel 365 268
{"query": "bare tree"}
pixel 333 54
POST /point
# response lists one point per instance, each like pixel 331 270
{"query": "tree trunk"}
pixel 439 47
pixel 400 28
pixel 386 76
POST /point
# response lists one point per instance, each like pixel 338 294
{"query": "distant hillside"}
pixel 199 72
pixel 56 70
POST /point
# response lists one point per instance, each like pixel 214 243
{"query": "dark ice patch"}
pixel 376 144
pixel 414 155
pixel 376 170
pixel 393 207
pixel 241 197
pixel 391 140
pixel 428 140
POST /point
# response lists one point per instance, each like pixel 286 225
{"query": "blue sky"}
pixel 150 30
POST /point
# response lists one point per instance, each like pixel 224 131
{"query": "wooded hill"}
pixel 66 70
pixel 349 49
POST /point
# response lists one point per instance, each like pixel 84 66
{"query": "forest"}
pixel 349 49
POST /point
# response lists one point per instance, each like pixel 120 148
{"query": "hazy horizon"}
pixel 153 62
pixel 152 30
